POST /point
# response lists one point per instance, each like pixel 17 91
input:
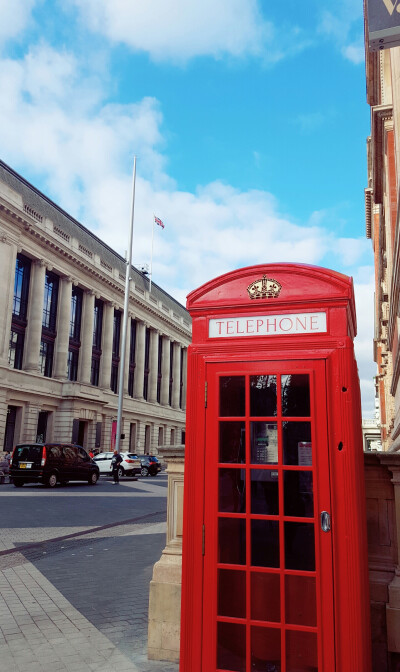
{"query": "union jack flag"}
pixel 159 221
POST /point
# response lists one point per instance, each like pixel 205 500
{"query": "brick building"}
pixel 382 227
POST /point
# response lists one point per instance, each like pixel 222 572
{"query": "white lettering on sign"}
pixel 268 325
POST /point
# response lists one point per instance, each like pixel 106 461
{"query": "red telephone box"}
pixel 274 547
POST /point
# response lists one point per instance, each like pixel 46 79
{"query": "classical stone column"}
pixel 153 375
pixel 139 370
pixel 35 316
pixel 165 369
pixel 184 378
pixel 85 354
pixel 165 586
pixel 8 256
pixel 63 324
pixel 176 375
pixel 106 345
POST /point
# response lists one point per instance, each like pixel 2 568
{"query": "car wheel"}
pixel 18 483
pixel 144 471
pixel 93 478
pixel 51 480
pixel 120 472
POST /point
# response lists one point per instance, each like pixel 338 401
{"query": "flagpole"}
pixel 151 259
pixel 125 320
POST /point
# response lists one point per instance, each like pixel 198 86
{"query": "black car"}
pixel 51 463
pixel 150 464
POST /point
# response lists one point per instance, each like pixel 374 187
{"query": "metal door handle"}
pixel 325 521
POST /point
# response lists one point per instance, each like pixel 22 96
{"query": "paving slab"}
pixel 80 604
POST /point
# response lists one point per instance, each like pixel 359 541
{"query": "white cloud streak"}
pixel 179 30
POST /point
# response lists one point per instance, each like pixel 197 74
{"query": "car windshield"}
pixel 29 452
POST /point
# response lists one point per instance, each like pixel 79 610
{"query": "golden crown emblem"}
pixel 265 288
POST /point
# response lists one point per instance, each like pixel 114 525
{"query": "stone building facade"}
pixel 382 227
pixel 61 317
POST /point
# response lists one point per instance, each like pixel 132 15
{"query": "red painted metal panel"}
pixel 327 355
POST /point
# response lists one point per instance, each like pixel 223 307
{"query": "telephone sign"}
pixel 274 546
pixel 268 325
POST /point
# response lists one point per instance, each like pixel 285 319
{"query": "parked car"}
pixel 51 463
pixel 150 465
pixel 130 465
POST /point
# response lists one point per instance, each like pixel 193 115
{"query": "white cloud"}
pixel 345 28
pixel 61 127
pixel 179 30
pixel 14 18
pixel 350 250
pixel 364 293
pixel 56 121
pixel 354 53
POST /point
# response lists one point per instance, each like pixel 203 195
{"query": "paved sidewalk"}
pixel 40 630
pixel 79 604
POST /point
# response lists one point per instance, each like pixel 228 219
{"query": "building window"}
pixel 159 369
pixel 46 358
pixel 74 333
pixel 16 348
pixel 21 286
pixel 96 349
pixel 116 333
pixel 132 356
pixel 97 324
pixel 171 369
pixel 181 379
pixel 48 324
pixel 115 351
pixel 20 306
pixel 114 378
pixel 95 371
pixel 146 365
pixel 41 430
pixel 147 436
pixel 50 301
pixel 73 358
pixel 76 314
pixel 10 428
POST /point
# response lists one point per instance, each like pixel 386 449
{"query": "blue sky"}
pixel 248 118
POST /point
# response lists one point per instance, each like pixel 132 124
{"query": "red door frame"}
pixel 320 468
